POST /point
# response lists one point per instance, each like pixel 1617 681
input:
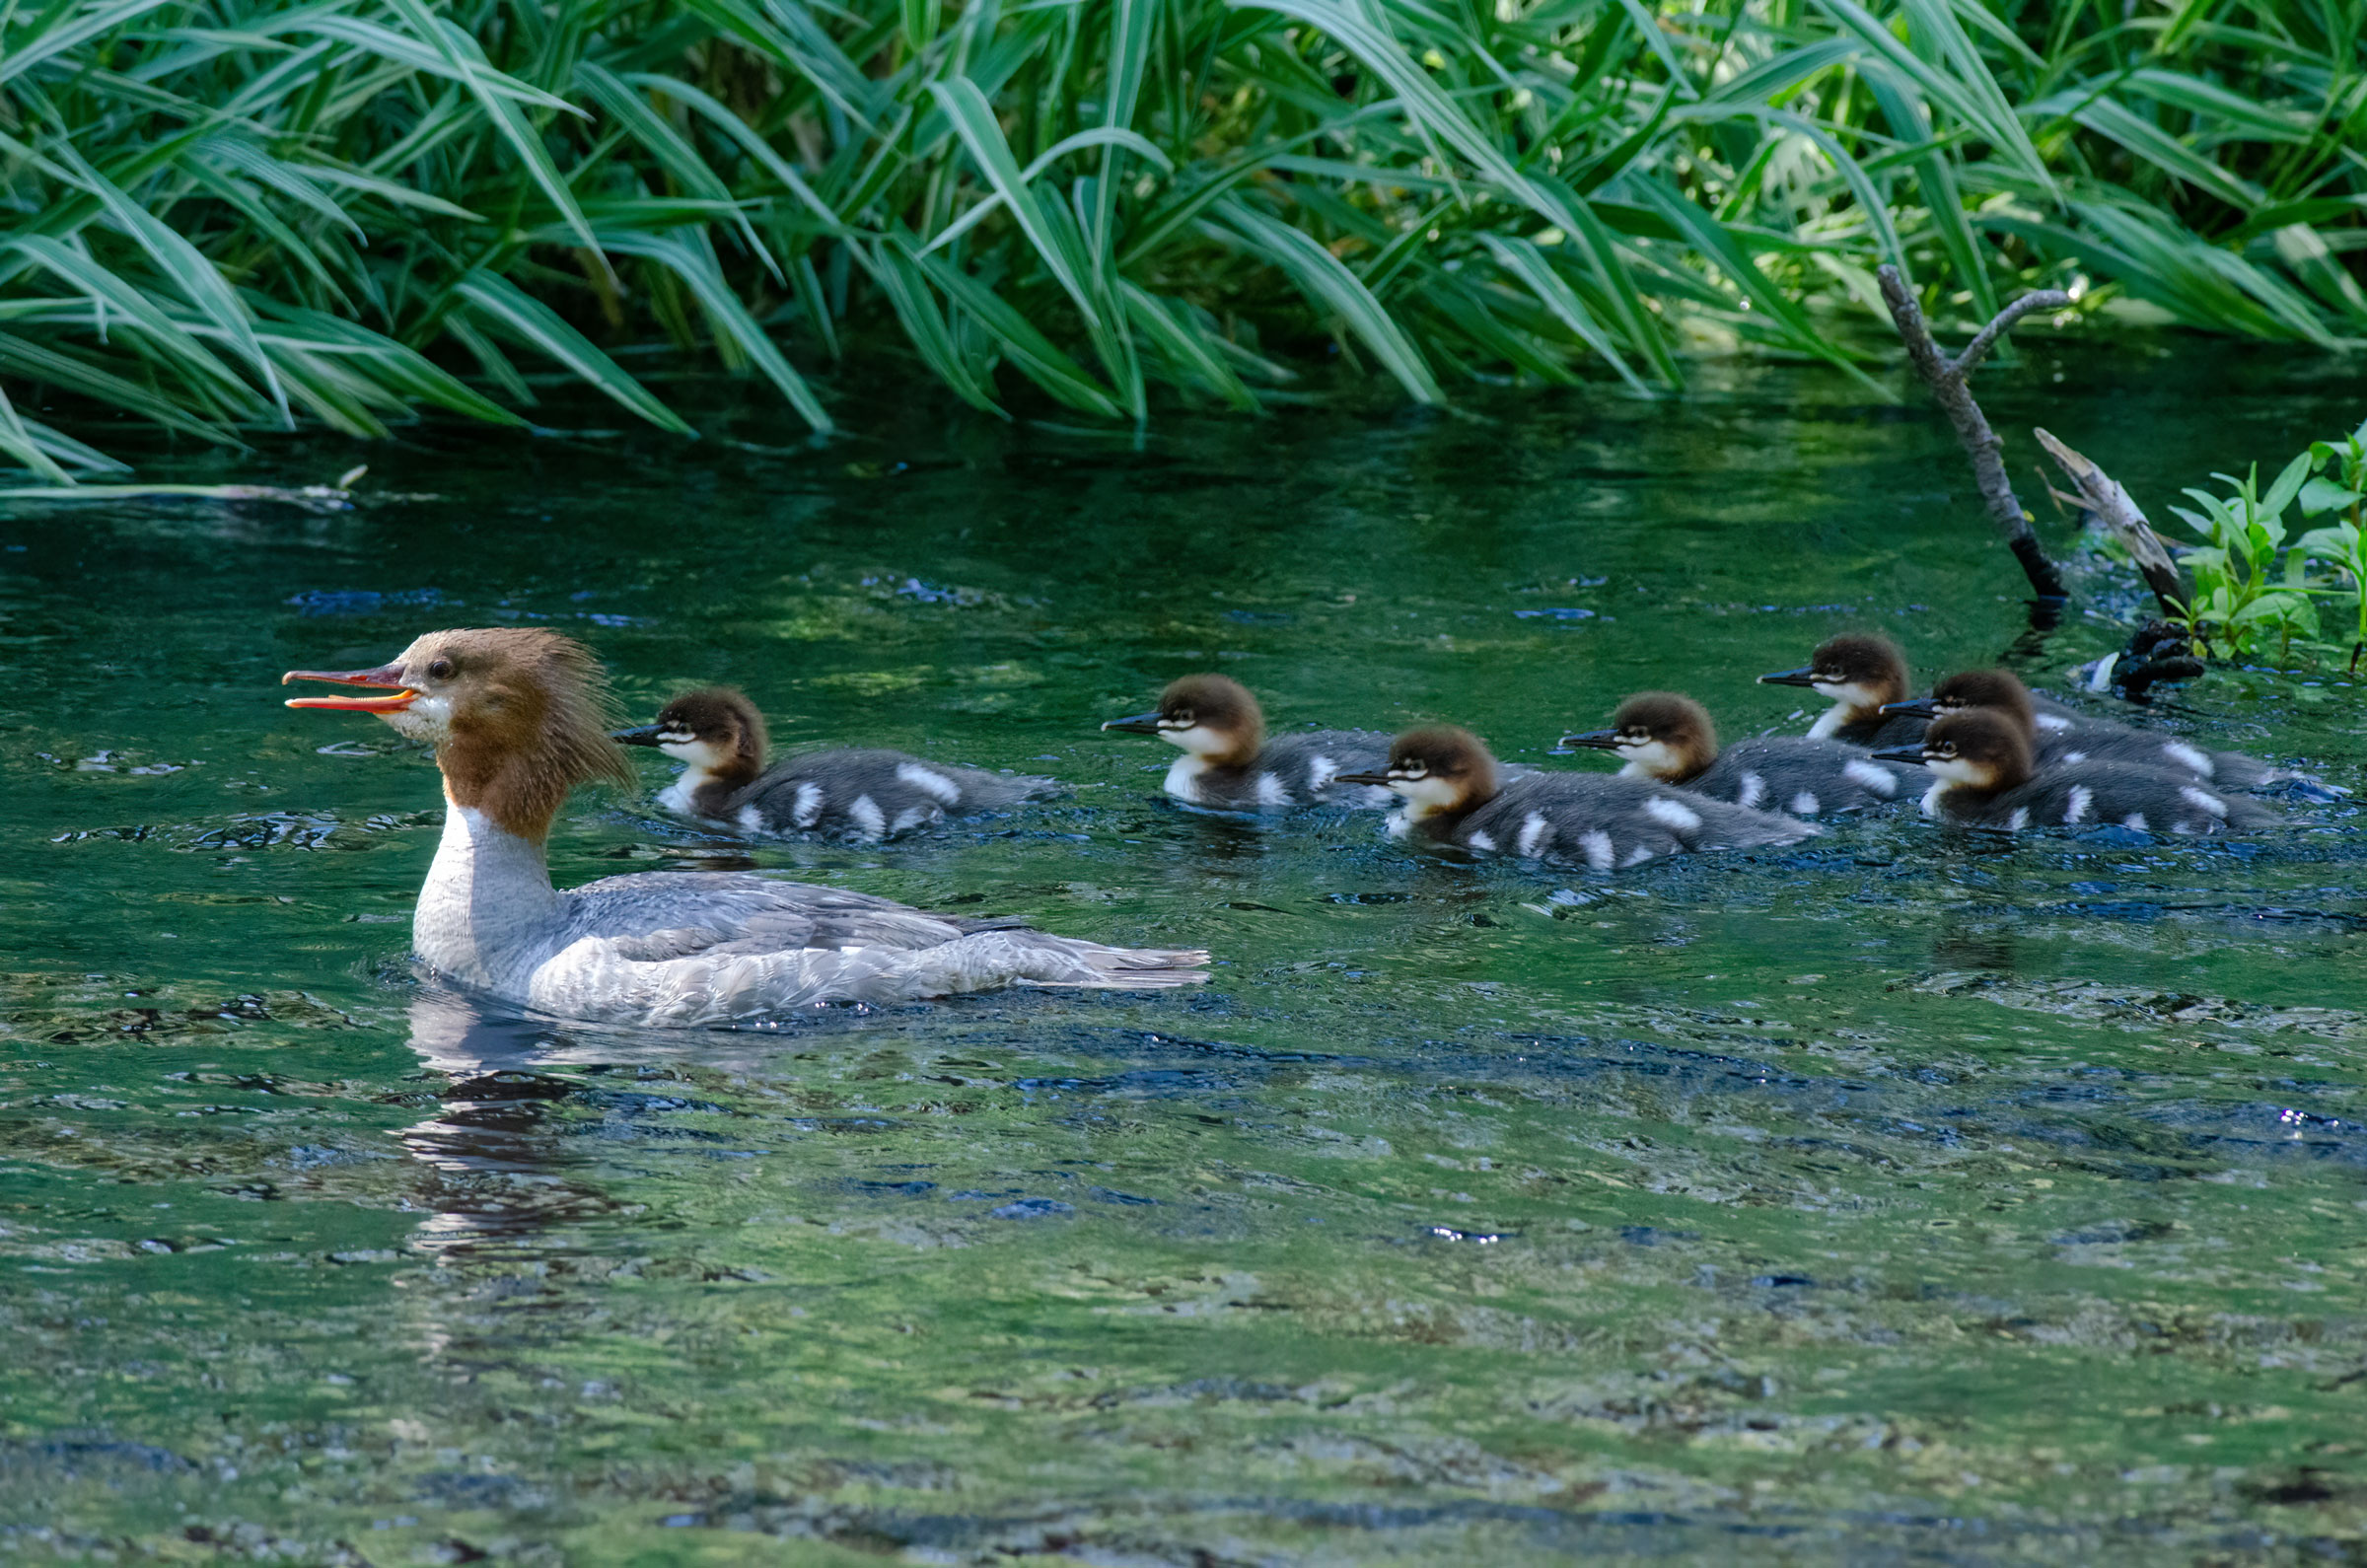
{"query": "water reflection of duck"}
pixel 1455 794
pixel 1662 736
pixel 515 714
pixel 1987 779
pixel 2058 735
pixel 864 796
pixel 1230 763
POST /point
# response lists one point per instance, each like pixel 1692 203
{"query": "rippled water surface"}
pixel 1919 1195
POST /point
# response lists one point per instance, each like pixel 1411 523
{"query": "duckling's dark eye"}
pixel 1180 719
pixel 439 669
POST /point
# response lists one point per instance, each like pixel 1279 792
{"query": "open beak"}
pixel 1135 724
pixel 1596 740
pixel 642 735
pixel 389 677
pixel 1379 780
pixel 1911 754
pixel 1805 675
pixel 1912 708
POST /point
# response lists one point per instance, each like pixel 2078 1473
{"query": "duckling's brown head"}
pixel 1998 691
pixel 1213 717
pixel 1439 770
pixel 1663 734
pixel 716 730
pixel 1980 749
pixel 1854 671
pixel 518 716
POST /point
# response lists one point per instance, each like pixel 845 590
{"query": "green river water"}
pixel 1919 1195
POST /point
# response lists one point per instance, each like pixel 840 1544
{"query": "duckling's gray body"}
pixel 1607 823
pixel 1799 776
pixel 862 796
pixel 1287 772
pixel 2093 794
pixel 2067 738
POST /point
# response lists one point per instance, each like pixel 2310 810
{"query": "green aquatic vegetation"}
pixel 228 216
pixel 2340 492
pixel 2253 581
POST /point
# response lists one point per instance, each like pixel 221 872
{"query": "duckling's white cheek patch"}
pixel 1199 740
pixel 1428 792
pixel 1954 769
pixel 698 754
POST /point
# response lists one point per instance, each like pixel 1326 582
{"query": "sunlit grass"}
pixel 230 216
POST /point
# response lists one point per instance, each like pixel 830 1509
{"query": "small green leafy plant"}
pixel 2338 545
pixel 2243 594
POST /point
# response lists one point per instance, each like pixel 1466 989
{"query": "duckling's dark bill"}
pixel 387 676
pixel 1913 755
pixel 1805 675
pixel 641 734
pixel 1135 724
pixel 1378 780
pixel 1598 740
pixel 1912 708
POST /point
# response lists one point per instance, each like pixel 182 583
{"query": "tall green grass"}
pixel 229 216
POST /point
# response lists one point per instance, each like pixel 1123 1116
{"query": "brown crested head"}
pixel 1444 765
pixel 1676 723
pixel 1998 691
pixel 518 716
pixel 1978 747
pixel 1872 663
pixel 1214 716
pixel 719 717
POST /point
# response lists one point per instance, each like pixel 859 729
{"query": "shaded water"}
pixel 1917 1194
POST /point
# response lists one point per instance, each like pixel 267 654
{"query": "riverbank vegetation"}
pixel 238 215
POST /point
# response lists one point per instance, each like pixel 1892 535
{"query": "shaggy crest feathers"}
pixel 530 715
pixel 1858 659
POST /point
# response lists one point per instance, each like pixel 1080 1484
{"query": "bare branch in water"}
pixel 2103 495
pixel 1946 378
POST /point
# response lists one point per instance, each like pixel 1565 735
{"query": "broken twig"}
pixel 2102 496
pixel 1947 380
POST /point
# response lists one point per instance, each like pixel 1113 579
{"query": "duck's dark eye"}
pixel 1180 720
pixel 439 669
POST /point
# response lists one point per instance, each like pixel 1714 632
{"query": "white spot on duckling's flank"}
pixel 751 820
pixel 2134 822
pixel 910 816
pixel 807 809
pixel 1272 791
pixel 1321 771
pixel 1672 815
pixel 2193 758
pixel 1534 828
pixel 1805 805
pixel 866 816
pixel 1596 844
pixel 2019 820
pixel 929 781
pixel 1870 778
pixel 2076 809
pixel 1637 856
pixel 1479 839
pixel 2204 799
pixel 2075 757
pixel 2051 721
pixel 1755 790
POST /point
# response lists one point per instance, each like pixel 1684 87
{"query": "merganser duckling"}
pixel 1230 765
pixel 1455 794
pixel 2060 735
pixel 1986 779
pixel 516 715
pixel 862 795
pixel 1857 675
pixel 1667 737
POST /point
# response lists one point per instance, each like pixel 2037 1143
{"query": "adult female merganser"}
pixel 2060 735
pixel 1663 735
pixel 864 796
pixel 1857 675
pixel 1229 764
pixel 1986 779
pixel 1453 793
pixel 515 717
